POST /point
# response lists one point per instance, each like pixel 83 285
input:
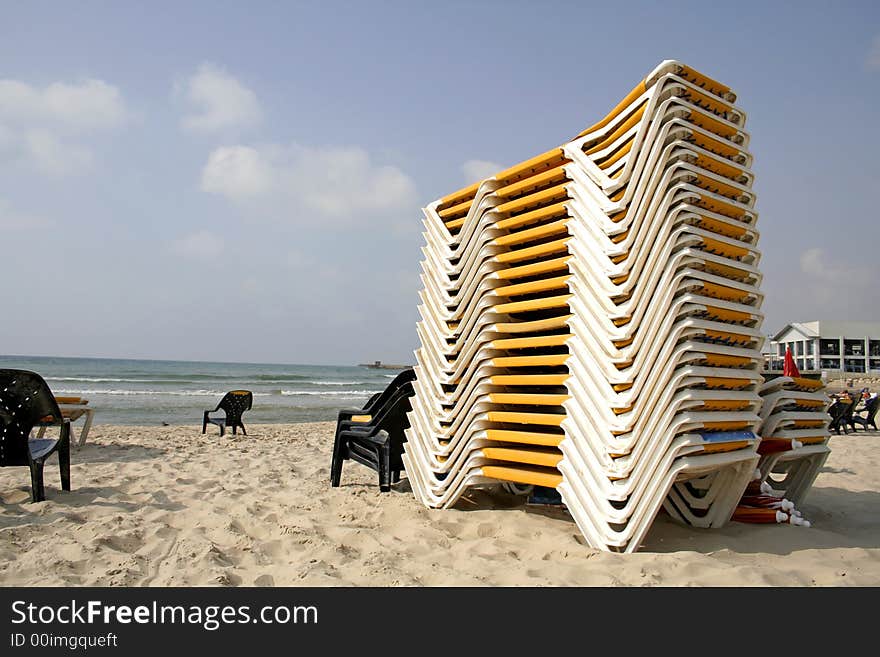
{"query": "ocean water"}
pixel 150 392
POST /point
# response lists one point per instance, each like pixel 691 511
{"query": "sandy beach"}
pixel 168 506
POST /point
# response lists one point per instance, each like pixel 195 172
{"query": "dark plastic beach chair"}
pixel 344 418
pixel 26 402
pixel 871 414
pixel 234 404
pixel 842 415
pixel 377 443
pixel 836 411
pixel 847 419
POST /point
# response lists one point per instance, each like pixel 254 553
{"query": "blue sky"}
pixel 244 181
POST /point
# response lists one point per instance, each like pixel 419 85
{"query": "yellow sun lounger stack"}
pixel 590 320
pixel 794 435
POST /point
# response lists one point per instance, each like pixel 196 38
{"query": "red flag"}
pixel 788 366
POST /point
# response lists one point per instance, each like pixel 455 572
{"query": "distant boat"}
pixel 379 365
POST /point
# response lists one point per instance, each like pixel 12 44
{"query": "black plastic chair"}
pixel 836 411
pixel 849 411
pixel 842 415
pixel 26 402
pixel 378 443
pixel 234 404
pixel 344 417
pixel 869 419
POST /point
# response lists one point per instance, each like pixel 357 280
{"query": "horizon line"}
pixel 178 360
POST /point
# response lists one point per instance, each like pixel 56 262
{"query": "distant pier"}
pixel 379 365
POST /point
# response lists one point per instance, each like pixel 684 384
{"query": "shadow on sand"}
pixel 63 505
pixel 839 517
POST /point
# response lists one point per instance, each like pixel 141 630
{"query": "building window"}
pixel 809 347
pixel 800 364
pixel 853 347
pixel 829 347
pixel 830 363
pixel 874 347
pixel 780 349
pixel 854 364
pixel 875 364
pixel 800 348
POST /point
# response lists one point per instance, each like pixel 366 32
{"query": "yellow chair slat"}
pixel 515 417
pixel 525 437
pixel 527 399
pixel 549 360
pixel 534 304
pixel 523 475
pixel 531 342
pixel 532 287
pixel 528 456
pixel 529 379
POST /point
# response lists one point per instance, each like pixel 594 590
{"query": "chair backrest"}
pixel 849 408
pixel 871 407
pixel 406 376
pixel 836 409
pixel 25 401
pixel 236 402
pixel 392 417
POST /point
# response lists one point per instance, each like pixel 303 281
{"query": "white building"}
pixel 829 345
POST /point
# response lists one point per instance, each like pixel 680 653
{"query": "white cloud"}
pixel 334 182
pixel 49 155
pixel 872 63
pixel 202 245
pixel 824 269
pixel 42 126
pixel 12 220
pixel 221 102
pixel 477 170
pixel 80 107
pixel 237 172
pixel 834 283
pixel 7 138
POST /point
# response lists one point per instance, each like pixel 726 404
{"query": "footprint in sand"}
pixel 126 543
pixel 227 579
pixel 236 527
pixel 15 497
pixel 161 497
pixel 487 530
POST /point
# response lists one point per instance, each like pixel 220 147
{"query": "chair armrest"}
pixel 348 415
pixel 377 437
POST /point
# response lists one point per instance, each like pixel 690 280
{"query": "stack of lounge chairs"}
pixel 590 321
pixel 794 435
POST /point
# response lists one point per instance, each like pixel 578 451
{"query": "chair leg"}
pixel 38 493
pixel 336 463
pixel 222 430
pixel 64 457
pixel 395 476
pixel 205 422
pixel 385 468
pixel 84 432
pixel 242 428
pixel 234 428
